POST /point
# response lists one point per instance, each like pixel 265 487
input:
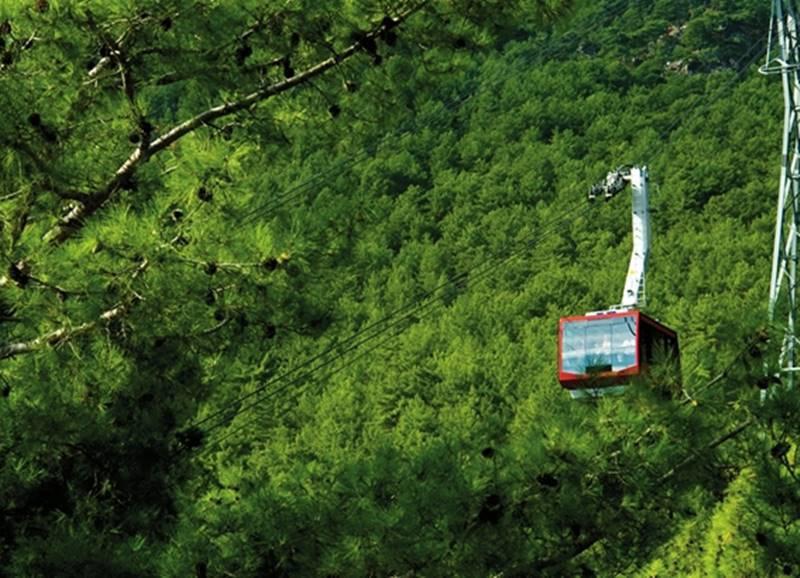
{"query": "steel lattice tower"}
pixel 783 57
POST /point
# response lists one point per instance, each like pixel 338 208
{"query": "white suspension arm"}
pixel 634 293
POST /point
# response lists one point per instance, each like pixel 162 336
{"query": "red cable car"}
pixel 598 353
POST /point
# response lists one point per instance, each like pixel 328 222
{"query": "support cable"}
pixel 317 362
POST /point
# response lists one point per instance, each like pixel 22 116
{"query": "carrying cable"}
pixel 391 321
pixel 293 192
pixel 396 330
pixel 396 318
pixel 268 209
pixel 216 442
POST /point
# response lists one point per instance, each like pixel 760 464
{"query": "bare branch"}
pixel 106 60
pixel 98 68
pixel 75 219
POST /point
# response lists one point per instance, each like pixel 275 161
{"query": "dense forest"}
pixel 282 281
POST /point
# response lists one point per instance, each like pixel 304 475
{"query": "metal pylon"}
pixel 783 57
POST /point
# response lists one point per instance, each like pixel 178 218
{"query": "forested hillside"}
pixel 283 279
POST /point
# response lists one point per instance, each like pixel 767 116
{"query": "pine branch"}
pixel 714 444
pixel 64 334
pixel 76 218
pixel 60 335
pixel 595 537
pixel 577 549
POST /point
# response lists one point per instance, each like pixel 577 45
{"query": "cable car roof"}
pixel 611 313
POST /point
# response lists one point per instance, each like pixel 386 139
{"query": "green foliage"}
pixel 316 336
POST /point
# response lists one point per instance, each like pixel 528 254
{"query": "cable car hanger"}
pixel 634 293
pixel 602 351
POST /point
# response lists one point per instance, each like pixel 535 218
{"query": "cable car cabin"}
pixel 599 353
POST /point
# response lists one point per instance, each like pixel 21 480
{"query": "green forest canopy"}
pixel 282 283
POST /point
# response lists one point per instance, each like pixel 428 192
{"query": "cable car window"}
pixel 598 345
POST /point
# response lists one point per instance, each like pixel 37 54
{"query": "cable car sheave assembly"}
pixel 602 351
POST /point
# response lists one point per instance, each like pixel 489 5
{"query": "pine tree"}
pixel 281 284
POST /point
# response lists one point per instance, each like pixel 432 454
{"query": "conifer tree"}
pixel 281 282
